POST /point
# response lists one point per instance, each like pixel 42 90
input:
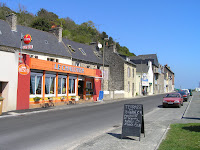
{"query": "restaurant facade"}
pixel 56 83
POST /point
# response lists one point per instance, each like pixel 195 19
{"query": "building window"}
pixel 88 66
pixel 82 51
pixel 128 71
pixel 62 82
pixel 71 48
pixel 36 57
pixel 77 64
pixel 57 60
pixel 128 86
pixel 50 59
pixel 133 73
pixel 36 84
pixel 72 86
pixel 50 85
pixel 97 54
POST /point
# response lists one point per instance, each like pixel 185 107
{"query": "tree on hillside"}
pixel 41 24
pixel 4 11
pixel 49 16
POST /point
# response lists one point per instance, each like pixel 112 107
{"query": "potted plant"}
pixel 36 99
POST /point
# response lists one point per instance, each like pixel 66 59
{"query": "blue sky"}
pixel 169 28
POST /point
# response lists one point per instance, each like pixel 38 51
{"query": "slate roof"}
pixel 142 67
pixel 46 42
pixel 145 59
pixel 88 49
pixel 7 37
pixel 124 59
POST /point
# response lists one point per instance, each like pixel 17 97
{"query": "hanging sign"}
pixel 27 39
pixel 23 69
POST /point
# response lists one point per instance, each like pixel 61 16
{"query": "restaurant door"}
pixel 80 89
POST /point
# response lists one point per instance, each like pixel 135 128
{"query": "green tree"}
pixel 41 24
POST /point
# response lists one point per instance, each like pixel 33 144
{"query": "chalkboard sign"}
pixel 133 120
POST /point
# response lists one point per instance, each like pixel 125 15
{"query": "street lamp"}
pixel 105 39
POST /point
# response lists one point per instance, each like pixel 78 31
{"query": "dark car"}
pixel 184 95
pixel 190 92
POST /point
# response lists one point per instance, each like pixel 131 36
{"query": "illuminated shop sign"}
pixel 68 68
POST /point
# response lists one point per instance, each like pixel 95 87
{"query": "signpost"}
pixel 133 120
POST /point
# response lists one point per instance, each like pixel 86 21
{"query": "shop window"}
pixel 62 85
pixel 36 84
pixel 72 86
pixel 88 87
pixel 50 85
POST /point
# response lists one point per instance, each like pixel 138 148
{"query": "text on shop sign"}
pixel 68 68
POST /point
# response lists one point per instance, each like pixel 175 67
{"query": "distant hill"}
pixel 45 20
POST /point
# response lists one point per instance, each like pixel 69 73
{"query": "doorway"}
pixel 80 89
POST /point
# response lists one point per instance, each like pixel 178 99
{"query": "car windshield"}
pixel 172 95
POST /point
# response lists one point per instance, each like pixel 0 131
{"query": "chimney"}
pixel 58 33
pixel 12 21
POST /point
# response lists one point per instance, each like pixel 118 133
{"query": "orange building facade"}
pixel 56 83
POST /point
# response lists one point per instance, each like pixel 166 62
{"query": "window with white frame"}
pixel 36 84
pixel 128 71
pixel 62 85
pixel 72 86
pixel 50 85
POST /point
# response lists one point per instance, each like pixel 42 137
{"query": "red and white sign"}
pixel 27 47
pixel 24 69
pixel 27 39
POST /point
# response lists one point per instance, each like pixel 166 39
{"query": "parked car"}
pixel 173 99
pixel 190 92
pixel 184 95
pixel 187 91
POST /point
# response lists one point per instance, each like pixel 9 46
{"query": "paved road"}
pixel 67 128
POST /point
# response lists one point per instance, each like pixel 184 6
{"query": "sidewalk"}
pixel 156 125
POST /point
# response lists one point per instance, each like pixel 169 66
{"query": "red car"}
pixel 173 99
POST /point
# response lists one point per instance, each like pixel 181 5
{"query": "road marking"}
pixel 187 108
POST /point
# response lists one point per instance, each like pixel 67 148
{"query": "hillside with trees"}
pixel 45 20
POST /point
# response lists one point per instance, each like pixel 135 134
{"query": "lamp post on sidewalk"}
pixel 105 39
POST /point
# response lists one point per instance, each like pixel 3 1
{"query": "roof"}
pixel 43 42
pixel 142 68
pixel 145 58
pixel 168 68
pixel 89 52
pixel 124 58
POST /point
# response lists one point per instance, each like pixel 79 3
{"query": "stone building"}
pixel 122 75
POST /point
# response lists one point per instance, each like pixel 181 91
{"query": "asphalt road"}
pixel 66 129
